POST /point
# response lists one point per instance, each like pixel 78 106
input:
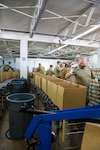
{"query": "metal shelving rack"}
pixel 94 89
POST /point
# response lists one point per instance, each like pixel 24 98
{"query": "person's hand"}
pixel 68 75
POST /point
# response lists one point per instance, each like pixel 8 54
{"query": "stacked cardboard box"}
pixel 94 93
pixel 71 96
pixel 7 75
pixel 1 76
pixel 38 79
pixel 63 94
pixel 45 81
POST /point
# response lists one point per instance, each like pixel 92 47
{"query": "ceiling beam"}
pixel 48 39
pixel 65 18
pixel 8 49
pixel 18 7
pixel 76 43
pixel 38 14
pixel 60 17
pixel 84 14
pixel 15 10
pixel 85 29
pixel 90 15
pixel 76 36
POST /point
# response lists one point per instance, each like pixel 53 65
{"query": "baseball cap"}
pixel 78 56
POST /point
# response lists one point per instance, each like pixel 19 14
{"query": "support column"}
pixel 23 57
pixel 98 58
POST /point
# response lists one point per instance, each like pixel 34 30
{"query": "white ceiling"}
pixel 53 28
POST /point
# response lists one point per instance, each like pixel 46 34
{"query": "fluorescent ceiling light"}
pixel 87 32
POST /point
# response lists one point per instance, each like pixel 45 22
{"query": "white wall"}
pixel 92 61
pixel 6 60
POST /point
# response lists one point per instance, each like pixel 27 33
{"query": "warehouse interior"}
pixel 47 31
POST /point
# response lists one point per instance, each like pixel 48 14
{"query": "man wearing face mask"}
pixel 82 74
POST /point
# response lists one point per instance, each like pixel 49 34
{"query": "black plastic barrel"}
pixel 19 121
pixel 16 87
pixel 19 80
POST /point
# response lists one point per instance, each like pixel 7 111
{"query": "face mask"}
pixel 82 66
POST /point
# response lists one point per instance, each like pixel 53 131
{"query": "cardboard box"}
pixel 44 84
pixel 38 79
pixel 71 96
pixel 8 75
pixel 40 82
pixel 34 74
pixel 3 76
pixel 14 74
pixel 63 94
pixel 52 89
pixel 91 137
pixel 45 80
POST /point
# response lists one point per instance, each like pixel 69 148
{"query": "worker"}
pixel 77 59
pixel 82 73
pixel 58 69
pixel 75 64
pixel 50 71
pixel 7 67
pixel 41 69
pixel 64 71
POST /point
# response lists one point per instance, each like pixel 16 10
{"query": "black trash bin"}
pixel 18 121
pixel 16 87
pixel 21 80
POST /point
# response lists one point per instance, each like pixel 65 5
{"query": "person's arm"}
pixel 47 72
pixel 60 68
pixel 93 76
pixel 11 68
pixel 68 75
